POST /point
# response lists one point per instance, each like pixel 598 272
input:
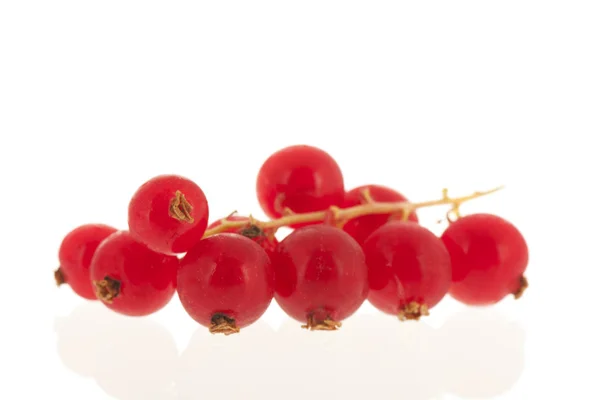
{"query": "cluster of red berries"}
pixel 345 247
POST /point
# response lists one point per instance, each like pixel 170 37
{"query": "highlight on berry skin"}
pixel 346 247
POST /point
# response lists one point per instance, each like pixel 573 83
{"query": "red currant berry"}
pixel 266 240
pixel 169 214
pixel 130 278
pixel 409 269
pixel 320 276
pixel 360 228
pixel 225 282
pixel 299 179
pixel 489 257
pixel 75 256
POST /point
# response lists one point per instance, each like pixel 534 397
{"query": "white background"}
pixel 98 96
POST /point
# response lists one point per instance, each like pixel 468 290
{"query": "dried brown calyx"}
pixel 59 277
pixel 413 311
pixel 317 324
pixel 180 208
pixel 252 232
pixel 523 285
pixel 107 289
pixel 221 323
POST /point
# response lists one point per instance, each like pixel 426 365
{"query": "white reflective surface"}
pixel 472 354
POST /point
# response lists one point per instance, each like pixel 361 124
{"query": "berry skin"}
pixel 169 214
pixel 75 256
pixel 225 282
pixel 299 179
pixel 320 276
pixel 409 269
pixel 130 278
pixel 489 257
pixel 360 228
pixel 266 240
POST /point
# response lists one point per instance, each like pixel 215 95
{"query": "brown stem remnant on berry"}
pixel 413 311
pixel 345 214
pixel 313 324
pixel 523 285
pixel 180 208
pixel 59 277
pixel 107 289
pixel 252 232
pixel 221 323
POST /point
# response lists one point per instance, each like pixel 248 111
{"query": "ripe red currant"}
pixel 130 278
pixel 75 256
pixel 266 240
pixel 489 257
pixel 409 269
pixel 320 276
pixel 299 179
pixel 169 214
pixel 225 282
pixel 360 228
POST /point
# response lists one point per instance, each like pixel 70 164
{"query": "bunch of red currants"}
pixel 345 247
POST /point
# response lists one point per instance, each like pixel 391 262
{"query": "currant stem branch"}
pixel 346 214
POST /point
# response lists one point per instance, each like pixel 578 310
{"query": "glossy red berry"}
pixel 321 276
pixel 266 240
pixel 169 214
pixel 409 269
pixel 360 228
pixel 299 179
pixel 489 257
pixel 130 278
pixel 75 256
pixel 225 282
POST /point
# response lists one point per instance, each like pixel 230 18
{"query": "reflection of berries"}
pixel 75 256
pixel 489 257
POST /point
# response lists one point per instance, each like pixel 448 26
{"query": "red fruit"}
pixel 169 214
pixel 75 256
pixel 225 282
pixel 409 269
pixel 489 257
pixel 300 179
pixel 320 276
pixel 130 278
pixel 360 228
pixel 266 240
